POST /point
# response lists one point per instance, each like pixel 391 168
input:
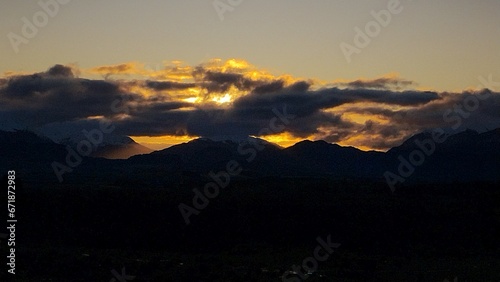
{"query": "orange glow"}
pixel 361 118
pixel 192 99
pixel 357 142
pixel 283 139
pixel 236 64
pixel 351 112
pixel 161 142
pixel 199 96
pixel 360 141
pixel 126 68
pixel 95 117
pixel 177 71
pixel 226 98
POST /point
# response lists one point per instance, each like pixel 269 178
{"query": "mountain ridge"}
pixel 464 156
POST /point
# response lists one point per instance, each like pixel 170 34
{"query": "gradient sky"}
pixel 442 46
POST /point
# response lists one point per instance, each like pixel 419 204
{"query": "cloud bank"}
pixel 233 98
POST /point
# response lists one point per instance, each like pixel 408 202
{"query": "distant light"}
pixel 95 117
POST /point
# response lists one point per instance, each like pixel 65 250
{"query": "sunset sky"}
pixel 183 69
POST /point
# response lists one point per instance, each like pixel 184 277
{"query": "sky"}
pixel 361 73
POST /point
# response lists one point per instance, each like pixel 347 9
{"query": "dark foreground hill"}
pixel 257 229
pixel 466 156
pixel 125 215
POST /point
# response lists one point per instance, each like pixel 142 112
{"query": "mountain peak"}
pixel 315 144
pixel 232 140
pixel 22 136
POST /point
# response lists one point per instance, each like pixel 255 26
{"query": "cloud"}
pixel 367 114
pixel 60 70
pixel 307 102
pixel 274 86
pixel 107 71
pixel 168 85
pixel 390 81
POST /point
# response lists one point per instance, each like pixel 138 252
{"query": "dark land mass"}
pixel 442 222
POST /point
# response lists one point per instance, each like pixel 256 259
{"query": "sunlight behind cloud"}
pixel 162 142
pixel 192 99
pixel 235 98
pixel 222 99
pixel 283 139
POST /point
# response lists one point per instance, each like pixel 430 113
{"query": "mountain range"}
pixel 464 156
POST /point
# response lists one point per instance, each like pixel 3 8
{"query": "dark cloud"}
pixel 308 102
pixel 57 96
pixel 300 86
pixel 220 82
pixel 274 86
pixel 405 98
pixel 107 71
pixel 168 85
pixel 380 83
pixel 150 123
pixel 222 78
pixel 60 70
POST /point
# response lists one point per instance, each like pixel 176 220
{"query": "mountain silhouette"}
pixel 125 150
pixel 464 156
pixel 338 161
pixel 109 145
